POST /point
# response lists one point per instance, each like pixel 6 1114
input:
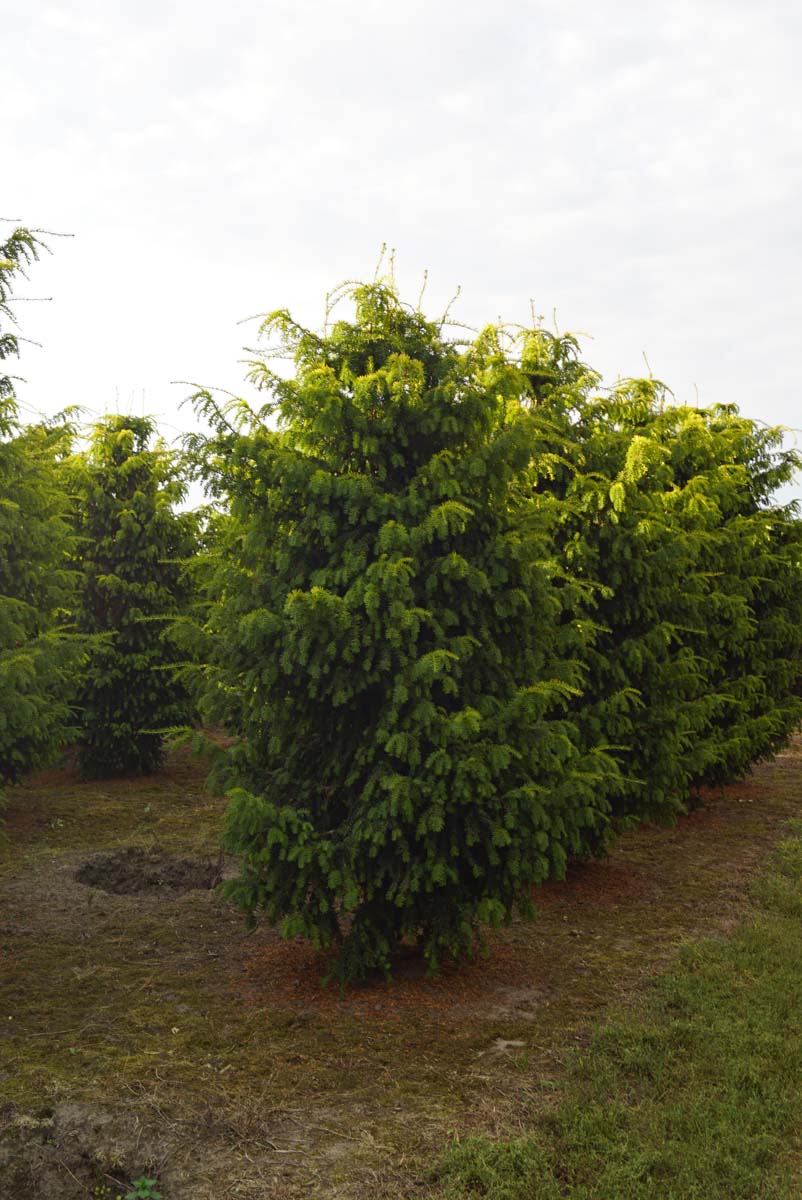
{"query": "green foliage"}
pixel 696 1097
pixel 391 641
pixel 751 643
pixel 468 614
pixel 144 1189
pixel 38 656
pixel 20 249
pixel 698 669
pixel 131 547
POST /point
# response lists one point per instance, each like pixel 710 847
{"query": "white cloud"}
pixel 635 166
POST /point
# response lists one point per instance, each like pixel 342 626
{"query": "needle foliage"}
pixel 697 670
pixel 391 640
pixel 131 546
pixel 469 614
pixel 39 657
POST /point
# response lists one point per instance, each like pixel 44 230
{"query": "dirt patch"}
pixel 70 1152
pixel 222 1059
pixel 132 870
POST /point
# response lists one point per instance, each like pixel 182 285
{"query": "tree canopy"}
pixel 38 655
pixel 131 543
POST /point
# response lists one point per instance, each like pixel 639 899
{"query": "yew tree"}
pixel 672 511
pixel 132 545
pixel 390 640
pixel 39 657
pixel 751 641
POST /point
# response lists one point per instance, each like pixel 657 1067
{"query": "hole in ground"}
pixel 131 870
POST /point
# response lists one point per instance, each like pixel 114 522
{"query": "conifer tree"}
pixel 469 614
pixel 390 640
pixel 131 547
pixel 38 656
pixel 751 642
pixel 670 509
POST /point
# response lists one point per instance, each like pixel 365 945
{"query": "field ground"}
pixel 147 1032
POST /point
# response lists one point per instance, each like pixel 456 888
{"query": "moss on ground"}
pixel 226 1048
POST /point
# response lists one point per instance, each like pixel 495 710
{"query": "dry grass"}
pixel 233 1072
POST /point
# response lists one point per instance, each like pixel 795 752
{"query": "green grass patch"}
pixel 698 1094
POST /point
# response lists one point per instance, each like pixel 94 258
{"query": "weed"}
pixel 522 1061
pixel 144 1189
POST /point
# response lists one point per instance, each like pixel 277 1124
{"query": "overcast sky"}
pixel 636 166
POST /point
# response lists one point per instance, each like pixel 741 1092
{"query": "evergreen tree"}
pixel 668 508
pixel 18 251
pixel 38 657
pixel 468 614
pixel 751 642
pixel 390 640
pixel 131 547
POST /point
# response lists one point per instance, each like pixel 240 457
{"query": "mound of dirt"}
pixel 132 870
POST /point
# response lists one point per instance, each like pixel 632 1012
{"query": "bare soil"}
pixel 132 869
pixel 142 1030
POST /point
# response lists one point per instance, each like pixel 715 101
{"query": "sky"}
pixel 634 169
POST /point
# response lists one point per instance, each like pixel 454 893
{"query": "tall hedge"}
pixel 390 641
pixel 132 543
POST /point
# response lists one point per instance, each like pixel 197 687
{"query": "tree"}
pixel 131 547
pixel 38 655
pixel 389 638
pixel 752 639
pixel 697 670
pixel 468 615
pixel 19 250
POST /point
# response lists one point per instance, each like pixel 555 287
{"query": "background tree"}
pixel 751 640
pixel 38 656
pixel 670 509
pixel 131 547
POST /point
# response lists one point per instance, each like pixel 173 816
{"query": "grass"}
pixel 699 1095
pixel 226 1069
